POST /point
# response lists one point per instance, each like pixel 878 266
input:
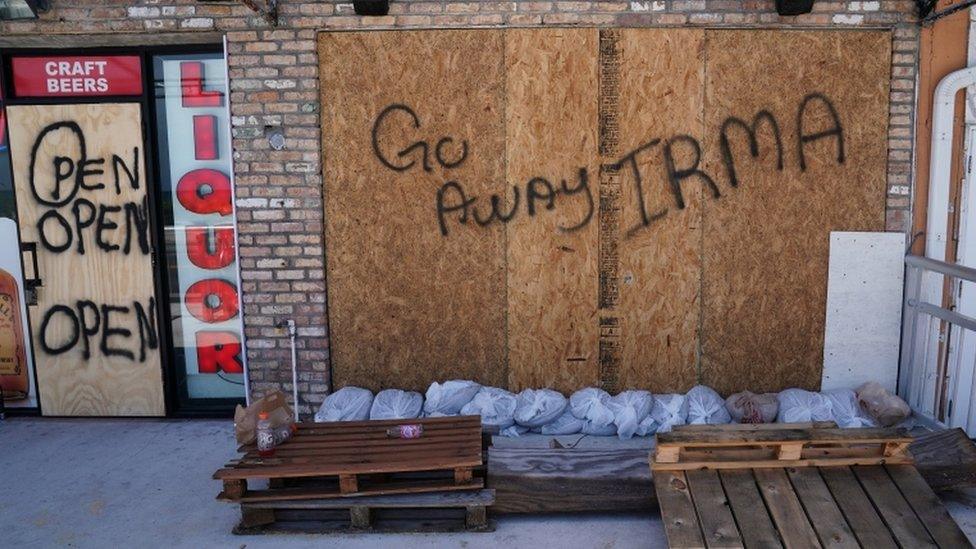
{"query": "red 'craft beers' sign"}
pixel 77 76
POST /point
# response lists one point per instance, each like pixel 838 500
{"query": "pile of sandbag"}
pixel 593 411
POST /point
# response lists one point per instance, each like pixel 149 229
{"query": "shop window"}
pixel 195 186
pixel 7 208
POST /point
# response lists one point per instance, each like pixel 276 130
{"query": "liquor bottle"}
pixel 13 359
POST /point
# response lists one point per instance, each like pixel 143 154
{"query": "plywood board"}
pixel 864 295
pixel 765 242
pixel 409 305
pixel 551 150
pixel 661 98
pixel 691 279
pixel 94 326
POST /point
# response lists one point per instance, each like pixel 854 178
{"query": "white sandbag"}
pixel 592 406
pixel 346 404
pixel 596 429
pixel 668 411
pixel 799 406
pixel 514 431
pixel 646 427
pixel 705 406
pixel 447 399
pixel 536 407
pixel 883 407
pixel 495 406
pixel 566 424
pixel 747 407
pixel 396 404
pixel 845 410
pixel 629 409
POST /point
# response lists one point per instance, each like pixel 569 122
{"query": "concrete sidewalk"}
pixel 146 483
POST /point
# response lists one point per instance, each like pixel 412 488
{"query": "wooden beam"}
pixel 544 480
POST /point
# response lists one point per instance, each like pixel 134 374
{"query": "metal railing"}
pixel 931 365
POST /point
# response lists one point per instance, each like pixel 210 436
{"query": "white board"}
pixel 10 262
pixel 864 298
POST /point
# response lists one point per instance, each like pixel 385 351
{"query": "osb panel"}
pixel 766 242
pixel 551 134
pixel 93 356
pixel 408 305
pixel 661 82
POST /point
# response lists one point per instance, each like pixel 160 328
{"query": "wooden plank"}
pixel 717 524
pixel 438 310
pixel 756 426
pixel 103 273
pixel 482 497
pixel 551 93
pixel 755 525
pixel 778 463
pixel 316 470
pixel 927 506
pixel 823 512
pixel 891 505
pixel 660 83
pixel 405 487
pixel 677 510
pixel 820 436
pixel 861 515
pixel 945 459
pixel 762 318
pixel 785 508
pixel 545 480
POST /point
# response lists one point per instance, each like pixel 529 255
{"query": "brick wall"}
pixel 274 87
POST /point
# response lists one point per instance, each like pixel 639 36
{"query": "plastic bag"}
pixel 629 409
pixel 668 411
pixel 592 406
pixel 447 399
pixel 495 406
pixel 706 406
pixel 514 431
pixel 883 407
pixel 566 424
pixel 646 427
pixel 536 407
pixel 845 410
pixel 746 407
pixel 799 406
pixel 246 419
pixel 346 404
pixel 396 404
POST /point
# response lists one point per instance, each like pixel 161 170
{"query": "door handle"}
pixel 34 282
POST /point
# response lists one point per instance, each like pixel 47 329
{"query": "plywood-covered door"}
pixel 79 175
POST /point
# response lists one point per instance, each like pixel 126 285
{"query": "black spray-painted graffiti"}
pixel 452 200
pixel 73 223
pixel 87 319
pixel 58 184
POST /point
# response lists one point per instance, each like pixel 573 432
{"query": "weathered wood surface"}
pixel 872 507
pixel 440 512
pixel 484 496
pixel 945 459
pixel 567 480
pixel 359 458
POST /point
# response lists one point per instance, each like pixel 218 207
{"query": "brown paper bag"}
pixel 246 419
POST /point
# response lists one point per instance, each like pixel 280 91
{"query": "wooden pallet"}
pixel 434 512
pixel 342 459
pixel 733 499
pixel 772 445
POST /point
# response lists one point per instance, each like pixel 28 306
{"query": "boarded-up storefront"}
pixel 615 207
